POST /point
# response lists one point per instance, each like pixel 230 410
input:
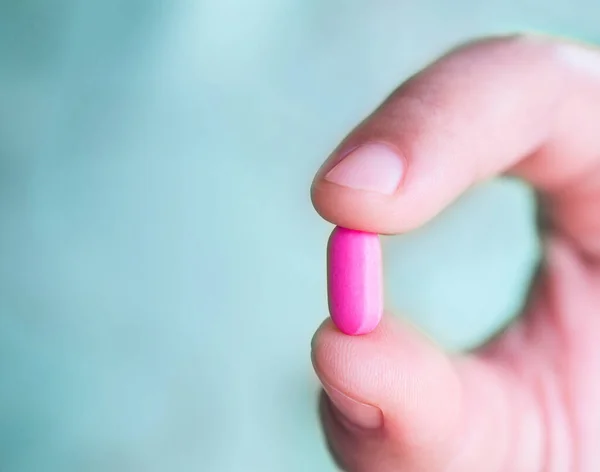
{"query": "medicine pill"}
pixel 354 280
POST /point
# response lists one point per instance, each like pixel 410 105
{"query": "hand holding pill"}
pixel 529 399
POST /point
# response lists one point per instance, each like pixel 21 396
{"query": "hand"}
pixel 530 399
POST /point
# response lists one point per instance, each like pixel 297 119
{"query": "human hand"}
pixel 529 400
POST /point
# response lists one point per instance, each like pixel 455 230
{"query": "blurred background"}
pixel 161 267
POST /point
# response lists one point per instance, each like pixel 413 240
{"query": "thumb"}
pixel 392 399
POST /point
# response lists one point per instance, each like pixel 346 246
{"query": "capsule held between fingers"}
pixel 354 280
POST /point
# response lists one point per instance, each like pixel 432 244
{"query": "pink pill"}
pixel 354 280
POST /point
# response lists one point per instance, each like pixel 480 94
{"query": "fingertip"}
pixel 375 189
pixel 354 209
pixel 366 366
pixel 393 381
pixel 353 409
pixel 357 185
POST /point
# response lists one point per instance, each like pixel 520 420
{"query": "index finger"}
pixel 527 105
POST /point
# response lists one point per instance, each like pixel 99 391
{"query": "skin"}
pixel 528 400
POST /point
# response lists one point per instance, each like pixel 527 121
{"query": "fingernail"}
pixel 581 57
pixel 352 413
pixel 373 167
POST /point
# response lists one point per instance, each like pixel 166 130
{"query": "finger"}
pixel 528 105
pixel 392 398
pixel 395 402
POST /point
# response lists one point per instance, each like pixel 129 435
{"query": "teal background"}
pixel 161 267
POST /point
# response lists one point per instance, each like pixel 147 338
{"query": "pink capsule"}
pixel 355 280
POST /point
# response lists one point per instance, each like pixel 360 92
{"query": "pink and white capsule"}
pixel 354 280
